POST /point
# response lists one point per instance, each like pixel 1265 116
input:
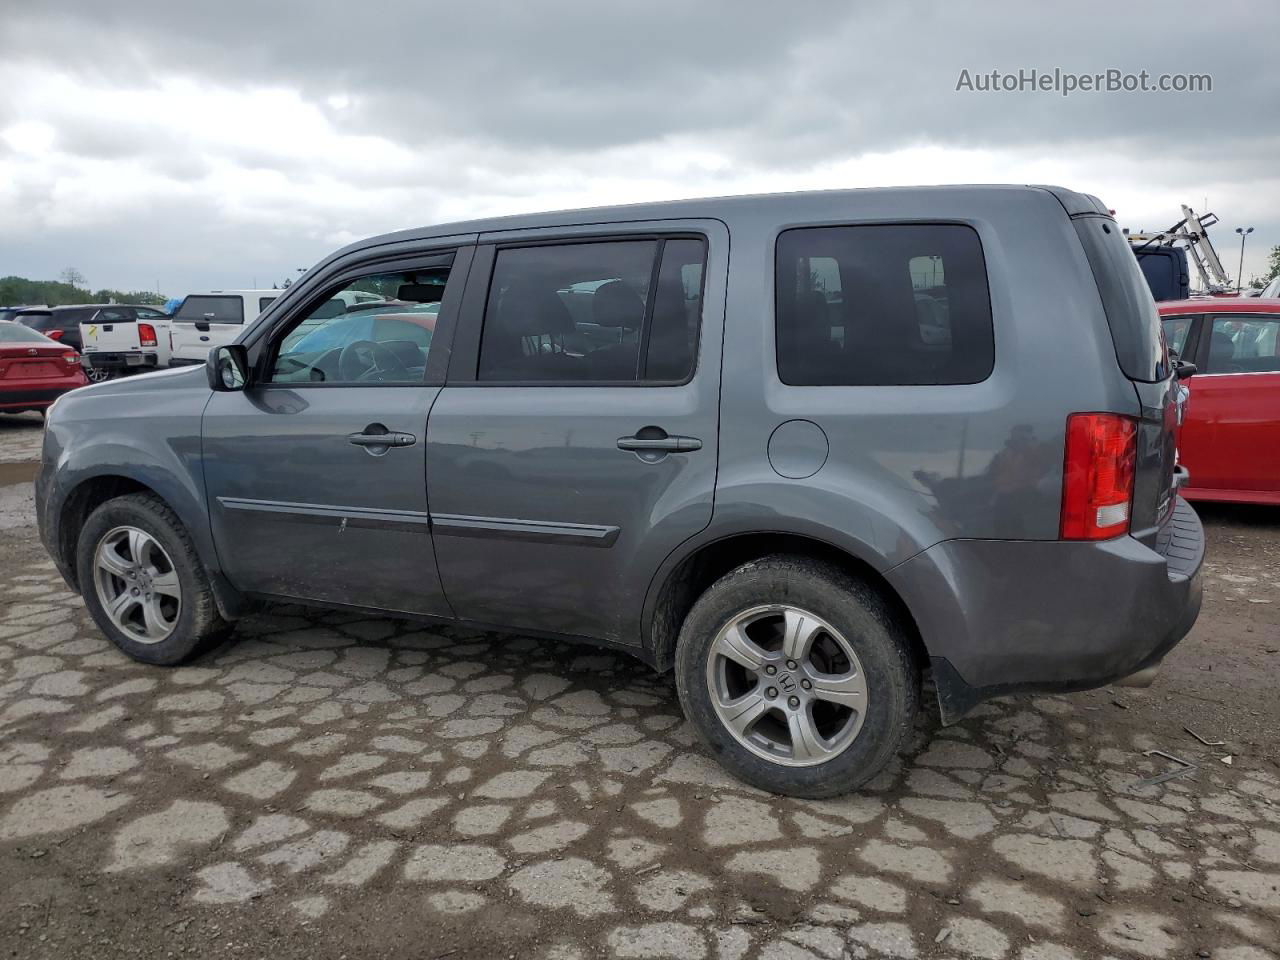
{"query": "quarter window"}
pixel 1176 330
pixel 377 329
pixel 1243 344
pixel 594 312
pixel 882 304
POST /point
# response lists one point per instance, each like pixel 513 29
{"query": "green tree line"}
pixel 20 290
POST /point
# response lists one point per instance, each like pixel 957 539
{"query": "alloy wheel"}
pixel 137 584
pixel 787 685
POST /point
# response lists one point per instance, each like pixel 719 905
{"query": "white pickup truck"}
pixel 121 339
pixel 207 320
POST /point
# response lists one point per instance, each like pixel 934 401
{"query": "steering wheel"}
pixel 367 360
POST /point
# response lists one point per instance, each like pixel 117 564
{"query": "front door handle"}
pixel 377 439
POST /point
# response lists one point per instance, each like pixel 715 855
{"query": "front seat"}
pixel 513 346
pixel 1222 350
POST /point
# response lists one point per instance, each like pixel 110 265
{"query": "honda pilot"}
pixel 807 450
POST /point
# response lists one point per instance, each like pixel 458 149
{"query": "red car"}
pixel 1230 440
pixel 34 370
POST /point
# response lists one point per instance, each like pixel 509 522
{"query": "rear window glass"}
pixel 882 304
pixel 36 321
pixel 16 333
pixel 1126 300
pixel 211 310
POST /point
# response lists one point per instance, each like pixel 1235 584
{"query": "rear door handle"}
pixel 663 444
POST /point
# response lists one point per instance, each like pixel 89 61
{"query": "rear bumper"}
pixel 128 360
pixel 1010 616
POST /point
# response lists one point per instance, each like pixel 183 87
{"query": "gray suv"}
pixel 804 449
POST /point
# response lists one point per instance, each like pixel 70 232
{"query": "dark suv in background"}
pixel 895 432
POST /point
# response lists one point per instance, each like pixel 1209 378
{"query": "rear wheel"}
pixel 797 677
pixel 97 374
pixel 143 583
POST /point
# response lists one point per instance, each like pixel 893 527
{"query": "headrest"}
pixel 1221 345
pixel 421 292
pixel 615 304
pixel 529 309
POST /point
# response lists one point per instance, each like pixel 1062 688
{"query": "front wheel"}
pixel 143 583
pixel 797 677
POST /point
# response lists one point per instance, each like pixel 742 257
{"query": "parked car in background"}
pixel 34 369
pixel 8 313
pixel 800 477
pixel 124 340
pixel 206 320
pixel 1272 289
pixel 64 324
pixel 1230 440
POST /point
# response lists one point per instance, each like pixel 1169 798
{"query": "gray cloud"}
pixel 491 100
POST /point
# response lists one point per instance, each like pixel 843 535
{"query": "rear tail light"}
pixel 72 357
pixel 1097 476
pixel 54 334
pixel 146 335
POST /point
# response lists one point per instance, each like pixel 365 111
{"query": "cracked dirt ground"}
pixel 335 785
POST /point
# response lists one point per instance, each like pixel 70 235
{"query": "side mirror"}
pixel 228 368
pixel 1182 369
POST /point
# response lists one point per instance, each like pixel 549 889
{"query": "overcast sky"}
pixel 199 145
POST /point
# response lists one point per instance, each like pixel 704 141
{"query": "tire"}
pixel 852 634
pixel 143 525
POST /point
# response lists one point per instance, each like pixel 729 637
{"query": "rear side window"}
pixel 882 304
pixel 1126 300
pixel 211 310
pixel 264 302
pixel 623 311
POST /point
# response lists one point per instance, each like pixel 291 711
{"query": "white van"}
pixel 207 320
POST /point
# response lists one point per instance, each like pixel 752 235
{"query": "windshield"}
pixel 1272 289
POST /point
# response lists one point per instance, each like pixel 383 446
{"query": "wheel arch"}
pixel 90 492
pixel 684 578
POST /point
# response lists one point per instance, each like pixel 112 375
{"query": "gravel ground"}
pixel 332 785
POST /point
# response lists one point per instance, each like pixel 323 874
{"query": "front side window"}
pixel 882 304
pixel 594 312
pixel 377 329
pixel 1243 344
pixel 210 309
